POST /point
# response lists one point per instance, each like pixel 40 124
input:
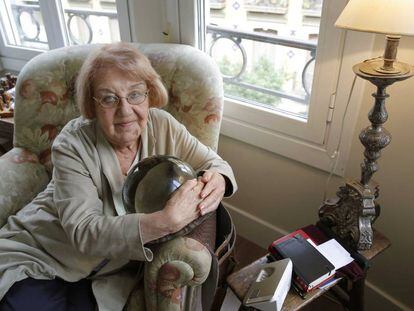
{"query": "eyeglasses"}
pixel 112 101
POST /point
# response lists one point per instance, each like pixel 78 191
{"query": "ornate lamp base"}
pixel 350 216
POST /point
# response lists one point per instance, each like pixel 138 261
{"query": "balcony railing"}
pixel 32 10
pixel 237 38
pixel 82 14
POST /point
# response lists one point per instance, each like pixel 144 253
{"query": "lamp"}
pixel 351 215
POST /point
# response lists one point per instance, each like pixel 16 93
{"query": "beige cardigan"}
pixel 78 221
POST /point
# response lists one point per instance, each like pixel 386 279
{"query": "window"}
pixel 266 51
pixel 287 73
pixel 29 27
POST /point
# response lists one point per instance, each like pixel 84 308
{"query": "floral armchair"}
pixel 45 103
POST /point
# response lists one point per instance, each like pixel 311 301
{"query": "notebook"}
pixel 310 267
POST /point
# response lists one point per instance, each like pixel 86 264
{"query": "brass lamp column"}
pixel 352 213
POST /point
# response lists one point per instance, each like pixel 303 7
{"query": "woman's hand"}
pixel 192 199
pixel 213 191
pixel 181 208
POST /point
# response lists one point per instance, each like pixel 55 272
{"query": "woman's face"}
pixel 123 124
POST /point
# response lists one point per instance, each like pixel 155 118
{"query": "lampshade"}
pixel 393 17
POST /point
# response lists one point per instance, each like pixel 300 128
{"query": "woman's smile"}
pixel 125 124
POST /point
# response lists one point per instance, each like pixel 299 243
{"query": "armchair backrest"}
pixel 45 93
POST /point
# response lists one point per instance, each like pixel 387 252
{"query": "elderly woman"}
pixel 77 230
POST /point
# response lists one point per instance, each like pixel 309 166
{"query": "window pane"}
pixel 266 50
pixel 91 21
pixel 23 24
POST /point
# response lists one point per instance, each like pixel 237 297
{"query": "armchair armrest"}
pixel 177 263
pixel 22 178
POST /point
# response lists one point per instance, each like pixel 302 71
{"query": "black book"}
pixel 310 267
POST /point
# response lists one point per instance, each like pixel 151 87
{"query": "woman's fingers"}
pixel 194 198
pixel 190 189
pixel 198 187
pixel 188 185
pixel 211 202
pixel 215 181
pixel 206 176
pixel 182 207
pixel 212 192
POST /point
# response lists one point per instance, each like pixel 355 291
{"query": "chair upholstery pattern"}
pixel 45 103
pixel 178 262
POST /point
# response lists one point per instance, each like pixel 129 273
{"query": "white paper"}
pixel 335 253
pixel 327 283
pixel 312 243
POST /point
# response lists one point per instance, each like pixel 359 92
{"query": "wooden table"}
pixel 6 134
pixel 241 280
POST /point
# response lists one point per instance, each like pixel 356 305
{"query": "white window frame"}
pixel 14 57
pixel 314 142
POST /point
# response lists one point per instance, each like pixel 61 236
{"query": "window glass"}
pixel 266 50
pixel 23 25
pixel 91 21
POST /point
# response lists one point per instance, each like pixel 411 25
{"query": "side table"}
pixel 241 280
pixel 6 134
